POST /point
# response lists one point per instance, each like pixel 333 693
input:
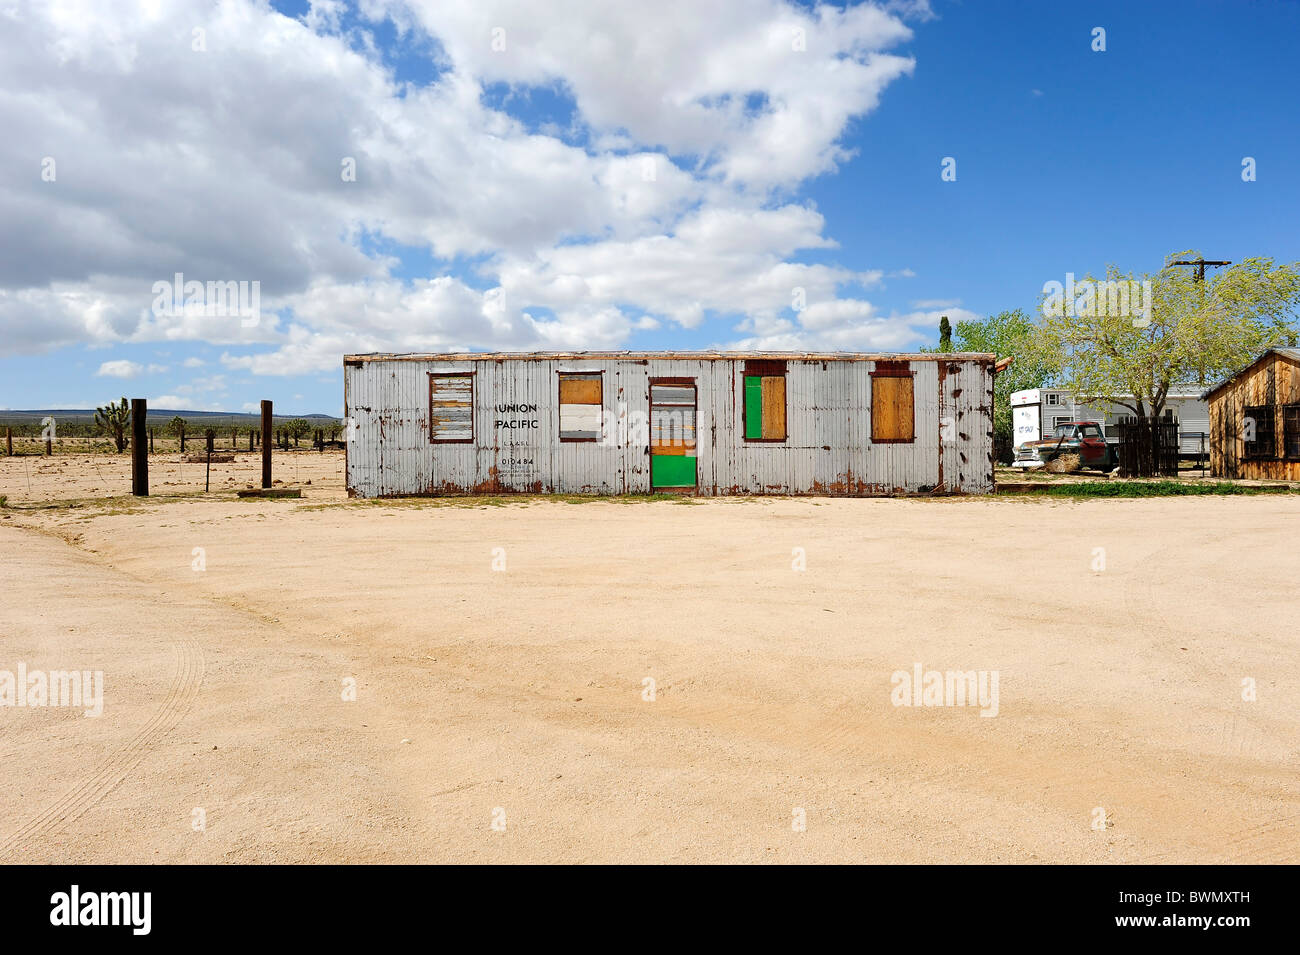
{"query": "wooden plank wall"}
pixel 1274 381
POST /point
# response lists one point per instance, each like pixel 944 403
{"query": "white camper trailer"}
pixel 1036 413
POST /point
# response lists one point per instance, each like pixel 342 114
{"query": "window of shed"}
pixel 581 402
pixel 893 406
pixel 1262 444
pixel 1291 432
pixel 451 408
pixel 764 405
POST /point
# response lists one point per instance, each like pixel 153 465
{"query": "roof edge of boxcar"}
pixel 669 355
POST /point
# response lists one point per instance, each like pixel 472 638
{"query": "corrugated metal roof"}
pixel 1292 353
pixel 668 355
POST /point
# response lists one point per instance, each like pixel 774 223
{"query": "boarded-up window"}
pixel 672 419
pixel 893 408
pixel 1291 432
pixel 764 407
pixel 581 399
pixel 451 408
pixel 1259 434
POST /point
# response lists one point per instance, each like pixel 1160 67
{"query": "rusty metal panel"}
pixel 516 426
pixel 967 427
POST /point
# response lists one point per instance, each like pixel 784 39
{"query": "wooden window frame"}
pixel 764 368
pixel 559 375
pixel 891 369
pixel 1290 412
pixel 694 405
pixel 1270 454
pixel 473 393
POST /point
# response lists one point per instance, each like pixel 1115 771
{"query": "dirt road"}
pixel 500 656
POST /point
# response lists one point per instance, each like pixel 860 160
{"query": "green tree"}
pixel 177 426
pixel 1189 332
pixel 1010 334
pixel 297 428
pixel 945 334
pixel 114 419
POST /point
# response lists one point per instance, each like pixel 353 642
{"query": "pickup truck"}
pixel 1084 438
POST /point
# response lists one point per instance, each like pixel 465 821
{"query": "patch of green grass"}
pixel 1152 489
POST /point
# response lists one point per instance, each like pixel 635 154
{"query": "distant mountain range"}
pixel 156 415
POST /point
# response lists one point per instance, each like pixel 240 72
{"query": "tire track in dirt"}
pixel 1264 843
pixel 75 803
pixel 1269 843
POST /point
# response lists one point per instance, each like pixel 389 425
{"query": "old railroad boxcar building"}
pixel 706 423
pixel 1255 419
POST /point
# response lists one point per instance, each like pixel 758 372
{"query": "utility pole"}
pixel 1200 277
pixel 1200 265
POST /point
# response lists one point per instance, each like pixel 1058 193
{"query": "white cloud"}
pixel 847 325
pixel 123 368
pixel 664 199
pixel 760 90
pixel 182 403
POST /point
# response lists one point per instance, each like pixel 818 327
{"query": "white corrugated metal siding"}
pixel 828 449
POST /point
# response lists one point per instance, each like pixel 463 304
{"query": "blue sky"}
pixel 523 169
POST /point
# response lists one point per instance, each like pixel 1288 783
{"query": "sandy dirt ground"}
pixel 62 477
pixel 500 654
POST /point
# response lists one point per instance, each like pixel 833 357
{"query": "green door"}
pixel 672 433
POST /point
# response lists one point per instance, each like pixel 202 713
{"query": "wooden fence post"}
pixel 266 443
pixel 207 474
pixel 139 448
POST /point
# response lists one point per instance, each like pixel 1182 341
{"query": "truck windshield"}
pixel 1063 431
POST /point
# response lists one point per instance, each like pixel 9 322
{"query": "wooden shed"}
pixel 1255 419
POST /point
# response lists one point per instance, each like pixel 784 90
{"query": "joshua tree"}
pixel 177 427
pixel 297 428
pixel 115 419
